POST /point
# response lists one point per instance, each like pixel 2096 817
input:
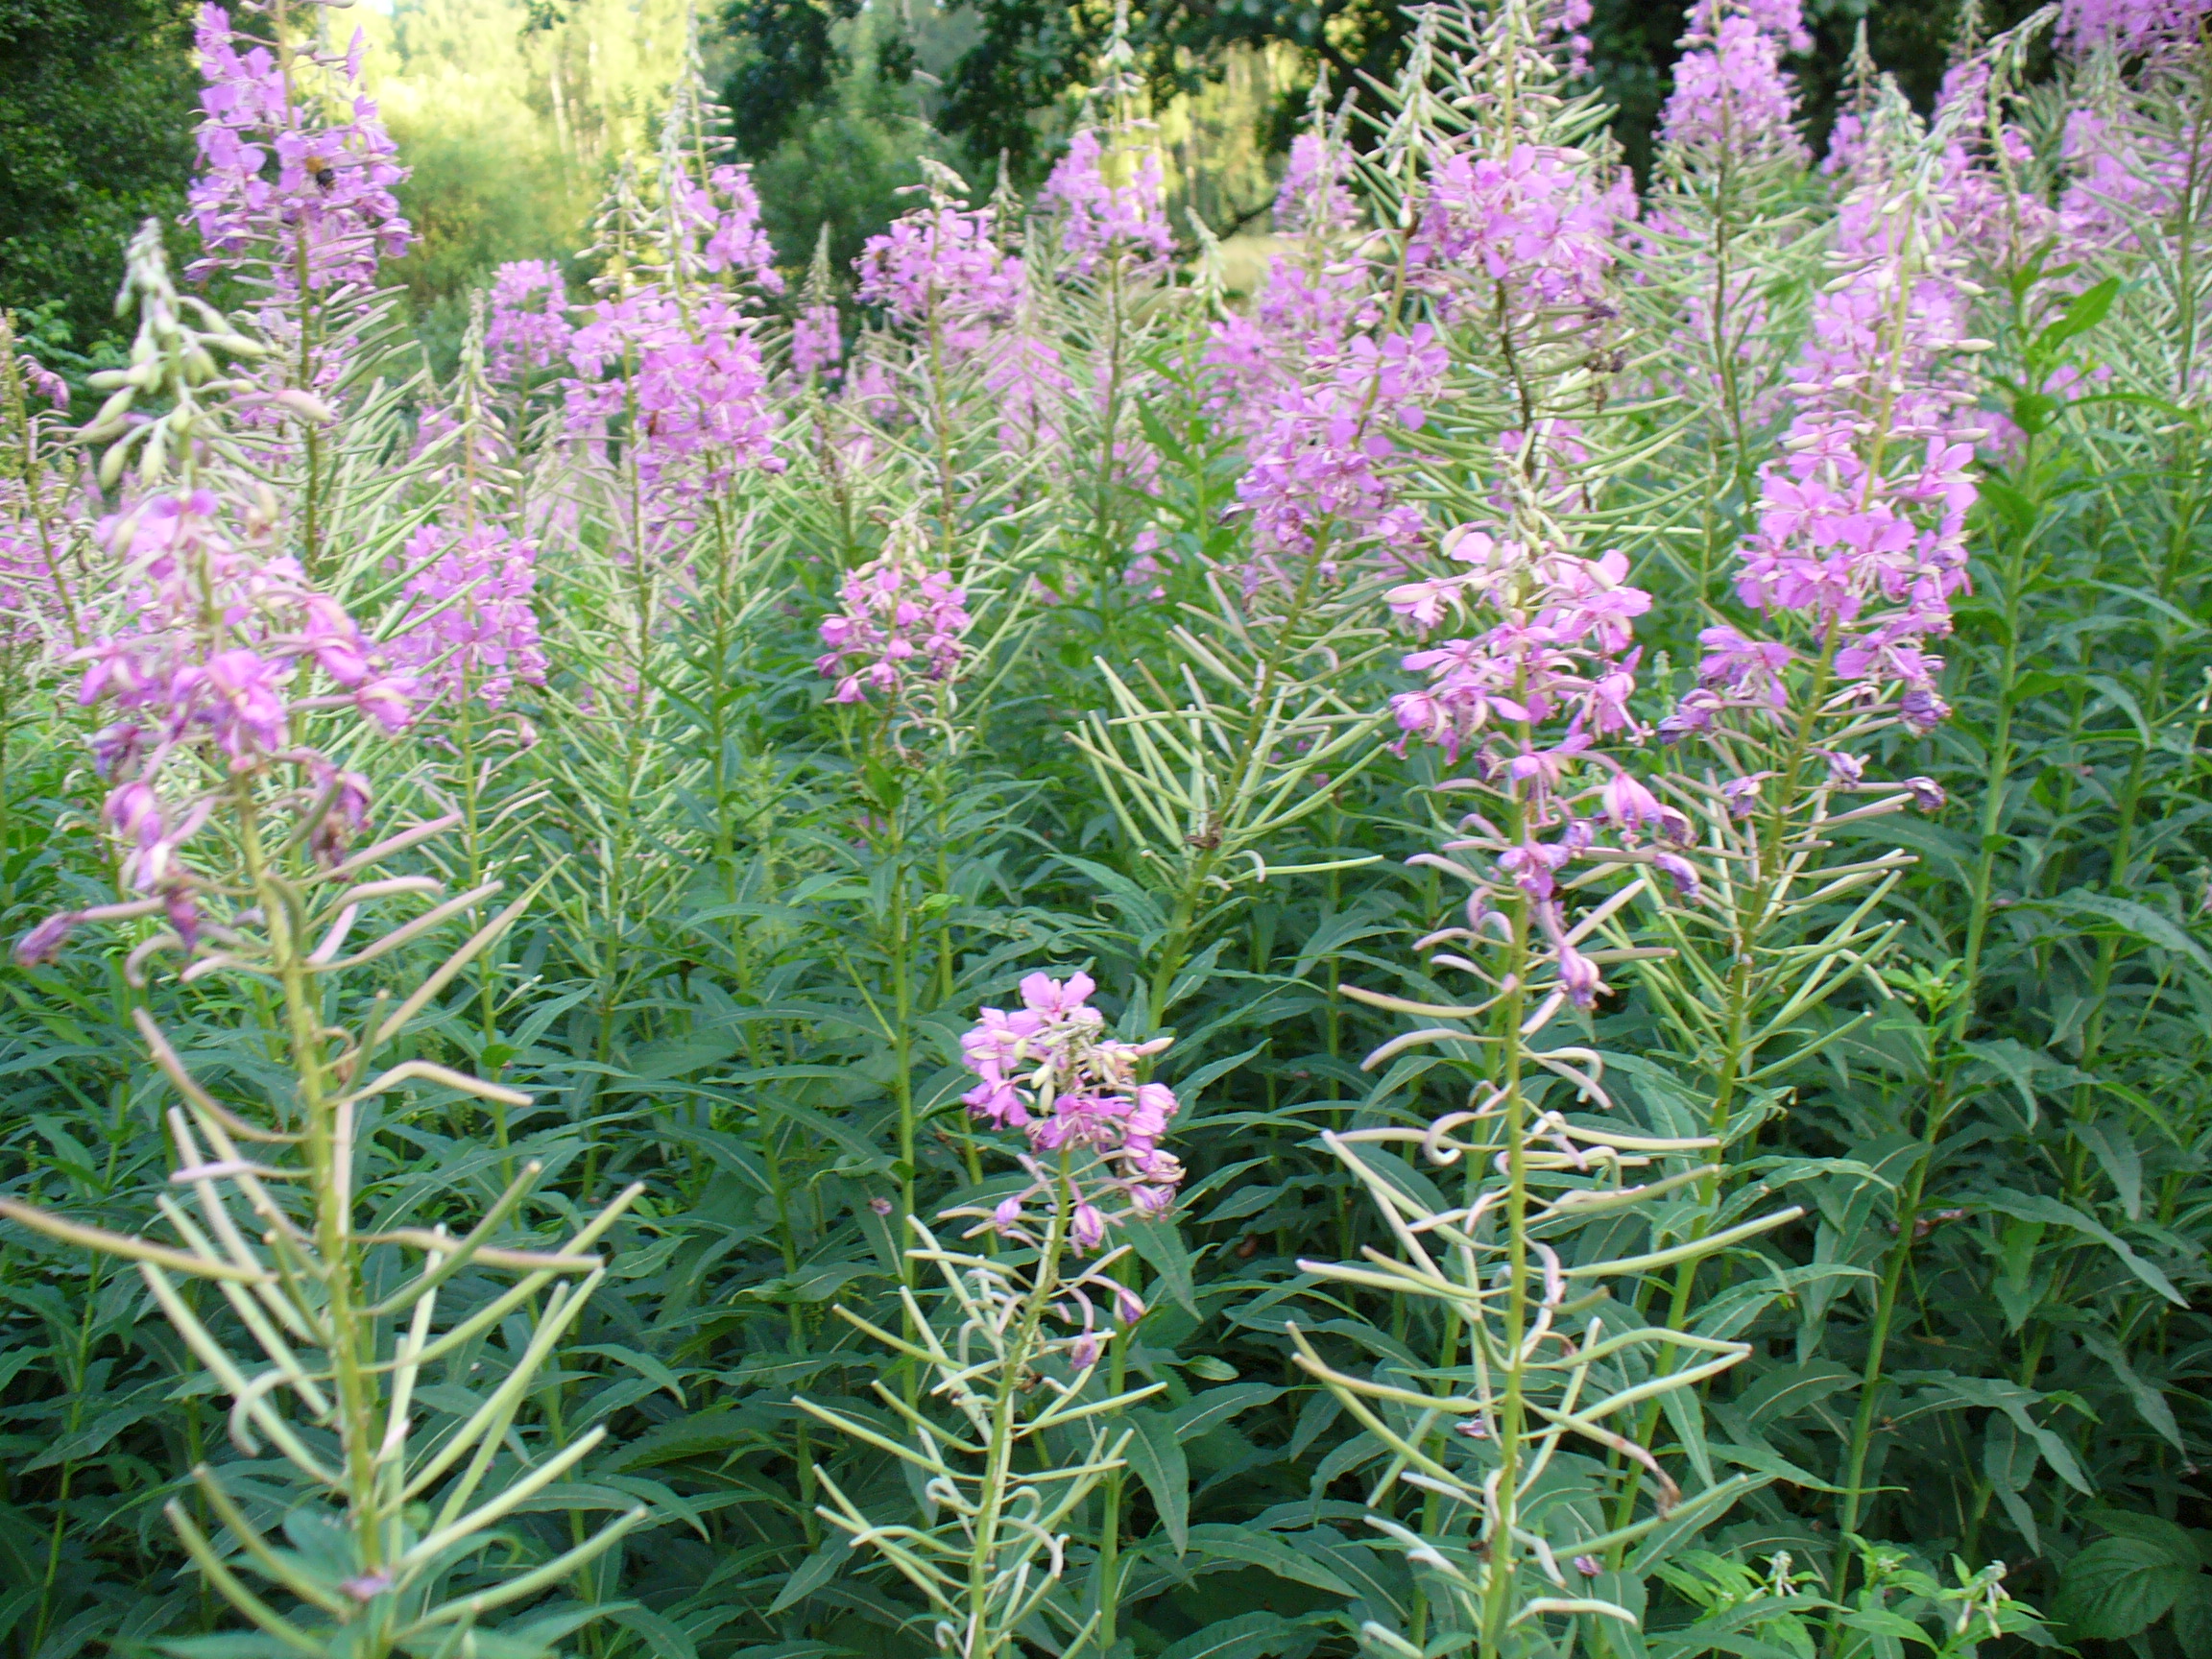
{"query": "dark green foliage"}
pixel 718 1034
pixel 791 61
pixel 97 101
pixel 1008 91
pixel 842 158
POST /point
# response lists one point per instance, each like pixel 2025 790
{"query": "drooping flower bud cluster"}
pixel 1048 1069
pixel 900 623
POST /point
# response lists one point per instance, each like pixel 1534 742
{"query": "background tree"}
pixel 1022 58
pixel 96 102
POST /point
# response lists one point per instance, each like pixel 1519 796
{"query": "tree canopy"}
pixel 1028 57
pixel 96 102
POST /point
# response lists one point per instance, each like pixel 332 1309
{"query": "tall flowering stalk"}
pixel 2088 257
pixel 1858 548
pixel 1205 776
pixel 989 1554
pixel 668 420
pixel 42 543
pixel 294 196
pixel 1569 844
pixel 895 654
pixel 1564 838
pixel 1103 207
pixel 241 693
pixel 1724 249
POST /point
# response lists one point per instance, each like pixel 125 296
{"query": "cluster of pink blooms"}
pixel 898 622
pixel 1532 693
pixel 1316 466
pixel 1862 523
pixel 323 214
pixel 1048 1069
pixel 717 228
pixel 941 268
pixel 688 378
pixel 2127 181
pixel 1732 116
pixel 1312 301
pixel 2130 27
pixel 470 629
pixel 28 585
pixel 528 330
pixel 1103 221
pixel 1318 393
pixel 1731 97
pixel 1313 199
pixel 225 642
pixel 817 340
pixel 1532 221
pixel 1559 646
pixel 41 382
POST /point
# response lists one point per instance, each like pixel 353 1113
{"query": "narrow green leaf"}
pixel 1156 1452
pixel 1255 1549
pixel 2035 1207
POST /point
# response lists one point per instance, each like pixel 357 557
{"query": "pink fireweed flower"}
pixel 1317 465
pixel 817 342
pixel 939 267
pixel 310 202
pixel 41 382
pixel 685 383
pixel 32 601
pixel 1313 199
pixel 718 229
pixel 470 629
pixel 294 195
pixel 1860 542
pixel 1731 97
pixel 1557 647
pixel 1545 674
pixel 2123 178
pixel 2129 28
pixel 224 644
pixel 897 624
pixel 1110 204
pixel 1535 221
pixel 529 327
pixel 1048 1069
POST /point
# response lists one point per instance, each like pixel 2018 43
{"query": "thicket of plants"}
pixel 1500 955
